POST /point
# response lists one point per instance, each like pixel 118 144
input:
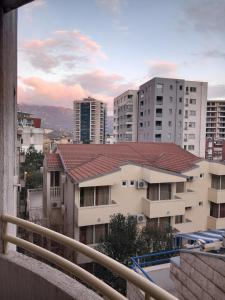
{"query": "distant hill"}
pixel 56 117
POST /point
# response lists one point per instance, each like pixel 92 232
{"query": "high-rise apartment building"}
pixel 125 116
pixel 173 110
pixel 215 129
pixel 89 121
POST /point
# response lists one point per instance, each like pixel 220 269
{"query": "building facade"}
pixel 125 117
pixel 89 121
pixel 173 110
pixel 29 128
pixel 160 183
pixel 215 129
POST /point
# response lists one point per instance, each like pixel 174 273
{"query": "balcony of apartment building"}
pixel 161 202
pixel 216 193
pixel 159 112
pixel 159 100
pixel 55 189
pixel 23 277
pixel 96 206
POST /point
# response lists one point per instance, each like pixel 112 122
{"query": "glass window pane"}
pixel 165 191
pixel 57 178
pixel 214 210
pixel 102 195
pixel 86 234
pixel 86 196
pixel 222 210
pixel 100 232
pixel 223 182
pixel 153 191
pixel 215 182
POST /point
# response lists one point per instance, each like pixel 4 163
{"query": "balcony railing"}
pixel 150 289
pixel 55 192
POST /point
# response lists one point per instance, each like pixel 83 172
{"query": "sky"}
pixel 71 49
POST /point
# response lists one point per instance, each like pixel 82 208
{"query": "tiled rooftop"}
pixel 84 161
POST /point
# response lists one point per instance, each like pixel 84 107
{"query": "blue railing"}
pixel 152 259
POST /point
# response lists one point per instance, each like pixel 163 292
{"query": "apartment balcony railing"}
pixel 150 289
pixel 185 227
pixel 215 223
pixel 55 193
pixel 99 214
pixel 163 208
pixel 216 196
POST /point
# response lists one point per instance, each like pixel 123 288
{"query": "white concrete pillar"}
pixel 8 90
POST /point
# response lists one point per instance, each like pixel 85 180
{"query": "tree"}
pixel 31 168
pixel 126 239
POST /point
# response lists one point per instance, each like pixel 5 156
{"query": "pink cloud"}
pixel 35 90
pixel 64 49
pixel 162 68
pixel 98 81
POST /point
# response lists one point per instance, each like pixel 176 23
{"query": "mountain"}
pixel 56 117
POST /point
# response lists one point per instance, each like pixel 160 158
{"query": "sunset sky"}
pixel 69 49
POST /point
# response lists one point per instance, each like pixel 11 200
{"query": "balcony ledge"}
pixel 25 278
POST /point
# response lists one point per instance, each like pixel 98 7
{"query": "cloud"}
pixel 205 15
pixel 114 6
pixel 31 7
pixel 98 81
pixel 34 90
pixel 160 68
pixel 100 85
pixel 216 91
pixel 215 53
pixel 66 49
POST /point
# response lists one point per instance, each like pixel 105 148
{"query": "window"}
pixel 170 123
pixel 159 87
pixel 141 103
pixel 158 137
pixel 202 175
pixel 171 87
pixel 171 99
pixel 132 182
pixel 86 196
pixel 54 178
pixel 94 196
pixel 218 182
pixel 159 100
pixel 124 183
pixel 158 112
pixel 192 113
pixel 149 111
pixel 158 124
pixel 178 219
pixel 180 187
pixel 141 113
pixel 93 234
pixel 170 111
pixel 191 147
pixel 192 101
pixel 102 195
pixel 180 123
pixel 193 89
pixel 191 136
pixel 129 96
pixel 192 124
pixel 180 112
pixel 159 191
pixel 141 124
pixel 180 100
pixel 181 87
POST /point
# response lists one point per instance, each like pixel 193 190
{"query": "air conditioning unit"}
pixel 141 218
pixel 141 184
pixel 56 204
pixel 190 178
pixel 63 178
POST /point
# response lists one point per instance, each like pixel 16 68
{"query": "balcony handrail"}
pixel 149 288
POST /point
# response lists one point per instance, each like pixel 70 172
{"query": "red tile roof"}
pixel 84 161
pixel 54 162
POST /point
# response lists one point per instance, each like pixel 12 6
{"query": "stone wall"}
pixel 199 276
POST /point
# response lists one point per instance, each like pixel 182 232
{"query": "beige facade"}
pixel 188 201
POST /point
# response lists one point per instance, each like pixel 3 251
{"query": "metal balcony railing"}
pixel 151 291
pixel 55 192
